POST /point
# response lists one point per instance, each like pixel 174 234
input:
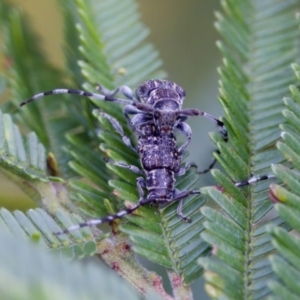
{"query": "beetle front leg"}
pixel 118 128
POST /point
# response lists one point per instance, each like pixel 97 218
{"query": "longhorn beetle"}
pixel 157 112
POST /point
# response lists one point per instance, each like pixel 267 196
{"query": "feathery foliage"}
pixel 102 59
pixel 24 162
pixel 41 275
pixel 260 43
pixel 286 266
pixel 39 226
pixel 107 45
pixel 27 76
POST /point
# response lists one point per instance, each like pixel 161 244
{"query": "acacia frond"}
pixel 260 43
pixel 287 197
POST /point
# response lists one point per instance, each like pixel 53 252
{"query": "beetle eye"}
pixel 156 114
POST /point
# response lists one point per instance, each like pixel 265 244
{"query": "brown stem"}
pixel 181 291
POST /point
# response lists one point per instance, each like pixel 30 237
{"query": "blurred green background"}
pixel 184 34
pixel 182 31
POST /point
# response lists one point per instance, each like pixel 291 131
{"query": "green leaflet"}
pixel 27 76
pixel 16 156
pixel 287 197
pixel 39 227
pixel 25 164
pixel 260 44
pixel 112 51
pixel 106 45
pixel 38 274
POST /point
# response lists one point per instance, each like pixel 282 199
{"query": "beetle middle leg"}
pixel 179 196
pixel 182 171
pixel 124 165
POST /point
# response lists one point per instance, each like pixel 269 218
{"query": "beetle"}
pixel 156 112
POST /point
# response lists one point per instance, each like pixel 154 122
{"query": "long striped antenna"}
pixel 106 95
pixel 106 219
pixel 254 180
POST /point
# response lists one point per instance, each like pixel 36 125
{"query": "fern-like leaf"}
pixel 24 162
pixel 260 43
pixel 39 226
pixel 18 158
pixel 113 52
pixel 40 275
pixel 27 76
pixel 286 266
